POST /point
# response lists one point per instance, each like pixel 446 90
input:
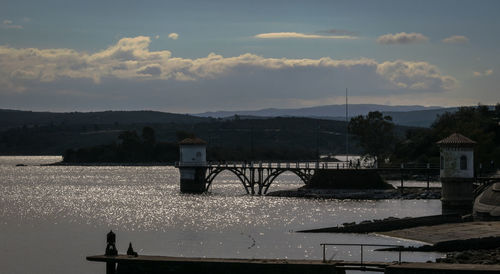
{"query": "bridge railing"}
pixel 361 246
pixel 308 165
pixel 281 164
pixel 408 166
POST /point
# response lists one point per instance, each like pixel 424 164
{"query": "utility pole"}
pixel 317 142
pixel 251 144
pixel 347 129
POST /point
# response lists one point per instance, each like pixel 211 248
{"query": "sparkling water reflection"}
pixel 81 203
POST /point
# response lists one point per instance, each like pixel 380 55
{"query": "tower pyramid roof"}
pixel 192 141
pixel 456 140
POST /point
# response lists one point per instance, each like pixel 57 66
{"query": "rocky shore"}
pixel 481 256
pixel 389 224
pixel 360 194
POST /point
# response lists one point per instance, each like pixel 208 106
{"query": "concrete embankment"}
pixel 360 194
pixel 448 232
pixel 390 224
pixel 361 184
pixel 426 268
pixel 347 179
pixel 123 264
pixel 179 265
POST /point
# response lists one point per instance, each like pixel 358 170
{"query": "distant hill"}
pixel 18 118
pixel 318 111
pixel 418 118
pixel 403 115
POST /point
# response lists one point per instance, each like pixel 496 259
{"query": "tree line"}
pixel 375 134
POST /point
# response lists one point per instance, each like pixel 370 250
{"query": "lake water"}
pixel 51 217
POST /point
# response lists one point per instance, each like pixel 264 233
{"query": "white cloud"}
pixel 456 39
pixel 487 72
pixel 8 24
pixel 415 75
pixel 281 35
pixel 130 69
pixel 402 38
pixel 173 36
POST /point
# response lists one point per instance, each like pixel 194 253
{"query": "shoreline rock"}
pixel 360 194
pixel 388 224
pixel 479 256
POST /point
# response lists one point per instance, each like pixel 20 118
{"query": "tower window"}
pixel 463 162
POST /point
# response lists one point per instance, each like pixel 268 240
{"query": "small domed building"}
pixel 457 174
pixel 192 165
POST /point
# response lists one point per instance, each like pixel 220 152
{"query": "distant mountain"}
pixel 18 118
pixel 404 115
pixel 319 111
pixel 418 118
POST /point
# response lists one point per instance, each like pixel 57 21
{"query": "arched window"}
pixel 441 163
pixel 463 162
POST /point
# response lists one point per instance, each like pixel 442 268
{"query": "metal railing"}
pixel 324 245
pixel 307 165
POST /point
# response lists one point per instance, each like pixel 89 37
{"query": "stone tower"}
pixel 192 165
pixel 457 174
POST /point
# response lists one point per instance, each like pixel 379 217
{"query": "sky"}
pixel 196 56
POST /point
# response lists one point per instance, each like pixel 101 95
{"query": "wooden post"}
pixel 428 175
pixel 110 268
pixel 402 186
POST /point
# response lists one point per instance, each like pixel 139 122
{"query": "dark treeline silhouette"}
pixel 248 139
pixel 130 148
pixel 228 139
pixel 231 140
pixel 481 124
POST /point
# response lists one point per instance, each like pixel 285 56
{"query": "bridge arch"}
pixel 262 178
pixel 304 175
pixel 212 174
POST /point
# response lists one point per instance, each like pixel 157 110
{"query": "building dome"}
pixel 487 204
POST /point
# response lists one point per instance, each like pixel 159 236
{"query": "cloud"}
pixel 173 36
pixel 8 24
pixel 157 36
pixel 487 72
pixel 130 73
pixel 415 75
pixel 153 70
pixel 455 39
pixel 402 38
pixel 282 35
